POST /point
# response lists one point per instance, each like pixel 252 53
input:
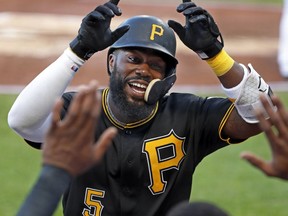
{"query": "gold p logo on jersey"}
pixel 158 163
pixel 156 30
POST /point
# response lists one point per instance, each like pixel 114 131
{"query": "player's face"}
pixel 135 69
pixel 131 72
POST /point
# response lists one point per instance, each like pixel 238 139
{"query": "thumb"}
pixel 103 143
pixel 256 162
pixel 119 32
pixel 177 27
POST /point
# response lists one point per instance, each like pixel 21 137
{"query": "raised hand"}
pixel 277 137
pixel 200 32
pixel 95 33
pixel 69 143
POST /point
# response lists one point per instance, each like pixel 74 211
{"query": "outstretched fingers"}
pixel 259 163
pixel 278 118
pixel 83 106
pixel 89 116
pixel 56 113
pixel 115 2
pixel 103 143
pixel 276 131
pixel 281 117
pixel 185 5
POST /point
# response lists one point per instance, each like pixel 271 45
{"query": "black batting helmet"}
pixel 149 32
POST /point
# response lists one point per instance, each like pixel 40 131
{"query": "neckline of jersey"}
pixel 116 122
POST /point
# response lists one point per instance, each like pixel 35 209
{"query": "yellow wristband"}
pixel 221 63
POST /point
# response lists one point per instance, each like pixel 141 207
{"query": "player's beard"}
pixel 132 111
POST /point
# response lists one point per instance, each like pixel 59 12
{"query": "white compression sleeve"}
pixel 30 113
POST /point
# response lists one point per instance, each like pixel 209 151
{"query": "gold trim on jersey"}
pixel 222 123
pixel 118 124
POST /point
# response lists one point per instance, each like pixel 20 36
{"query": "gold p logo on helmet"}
pixel 156 30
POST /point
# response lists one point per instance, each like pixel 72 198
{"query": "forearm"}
pixel 229 72
pixel 34 104
pixel 233 77
pixel 241 84
pixel 44 197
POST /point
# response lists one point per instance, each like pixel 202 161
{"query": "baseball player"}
pixel 161 137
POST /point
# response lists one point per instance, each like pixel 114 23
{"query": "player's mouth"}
pixel 137 89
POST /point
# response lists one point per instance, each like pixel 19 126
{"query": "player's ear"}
pixel 111 62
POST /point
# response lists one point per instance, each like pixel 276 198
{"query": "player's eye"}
pixel 156 66
pixel 133 59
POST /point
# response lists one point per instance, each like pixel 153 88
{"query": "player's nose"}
pixel 143 70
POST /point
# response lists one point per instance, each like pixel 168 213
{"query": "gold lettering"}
pixel 158 165
pixel 90 202
pixel 156 30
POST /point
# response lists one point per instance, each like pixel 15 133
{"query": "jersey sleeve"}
pixel 208 123
pixel 215 112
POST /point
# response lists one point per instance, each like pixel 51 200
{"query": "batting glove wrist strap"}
pixel 80 50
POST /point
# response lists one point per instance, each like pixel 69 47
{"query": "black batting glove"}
pixel 95 33
pixel 200 32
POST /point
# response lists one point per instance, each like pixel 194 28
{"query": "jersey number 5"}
pixel 95 207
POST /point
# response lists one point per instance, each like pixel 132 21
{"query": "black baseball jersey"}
pixel 149 166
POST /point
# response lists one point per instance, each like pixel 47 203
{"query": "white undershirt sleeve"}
pixel 31 112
